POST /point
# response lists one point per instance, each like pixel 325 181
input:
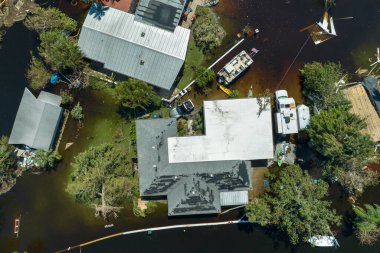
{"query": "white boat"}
pixel 323 241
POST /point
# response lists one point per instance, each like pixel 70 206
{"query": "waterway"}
pixel 51 220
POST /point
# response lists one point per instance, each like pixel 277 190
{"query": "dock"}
pixel 362 106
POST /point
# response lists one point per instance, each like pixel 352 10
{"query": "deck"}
pixel 362 106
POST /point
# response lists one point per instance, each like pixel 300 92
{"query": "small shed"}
pixel 37 120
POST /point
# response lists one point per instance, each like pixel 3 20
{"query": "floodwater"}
pixel 51 220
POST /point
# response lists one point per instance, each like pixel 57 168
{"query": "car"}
pixel 183 109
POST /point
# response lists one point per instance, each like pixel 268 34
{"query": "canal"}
pixel 51 220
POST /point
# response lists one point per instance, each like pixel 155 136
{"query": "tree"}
pixel 234 94
pixel 319 85
pixel 7 165
pixel 335 133
pixel 136 94
pixel 60 52
pixel 98 10
pixel 101 179
pixel 67 98
pixel 204 78
pixel 37 74
pixel 295 205
pixel 77 112
pixel 2 33
pixel 207 32
pixel 46 19
pixel 367 223
pixel 46 159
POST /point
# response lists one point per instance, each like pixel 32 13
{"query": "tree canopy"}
pixel 367 223
pixel 37 74
pixel 7 165
pixel 319 84
pixel 46 159
pixel 136 94
pixel 208 33
pixel 204 78
pixel 335 133
pixel 102 179
pixel 295 205
pixel 60 52
pixel 46 19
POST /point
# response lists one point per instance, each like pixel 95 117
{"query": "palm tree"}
pixel 98 9
pixel 46 159
pixel 367 223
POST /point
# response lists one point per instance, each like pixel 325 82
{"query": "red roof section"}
pixel 123 5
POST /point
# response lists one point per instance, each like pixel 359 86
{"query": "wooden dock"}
pixel 362 106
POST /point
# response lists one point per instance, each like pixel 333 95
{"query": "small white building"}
pixel 234 130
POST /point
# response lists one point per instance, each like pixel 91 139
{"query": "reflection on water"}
pixel 52 220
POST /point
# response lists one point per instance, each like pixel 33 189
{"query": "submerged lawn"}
pixel 194 57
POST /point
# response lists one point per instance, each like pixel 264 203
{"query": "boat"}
pixel 17 226
pixel 224 89
pixel 233 69
pixel 323 241
pixel 108 226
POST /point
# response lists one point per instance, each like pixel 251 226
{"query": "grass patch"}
pixel 194 58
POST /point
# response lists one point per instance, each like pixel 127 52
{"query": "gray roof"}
pixel 158 177
pixel 370 84
pixel 165 14
pixel 133 48
pixel 192 195
pixel 37 120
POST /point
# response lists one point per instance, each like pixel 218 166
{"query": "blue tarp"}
pixel 370 84
pixel 54 78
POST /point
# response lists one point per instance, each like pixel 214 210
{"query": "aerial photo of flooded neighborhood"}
pixel 189 126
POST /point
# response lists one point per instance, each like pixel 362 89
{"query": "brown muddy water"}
pixel 51 220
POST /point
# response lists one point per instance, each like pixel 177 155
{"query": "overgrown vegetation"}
pixel 208 33
pixel 37 74
pixel 295 204
pixel 367 223
pixel 46 160
pixel 77 112
pixel 204 78
pixel 60 52
pixel 136 95
pixel 319 85
pixel 103 179
pixel 234 94
pixel 335 132
pixel 7 165
pixel 67 98
pixel 46 19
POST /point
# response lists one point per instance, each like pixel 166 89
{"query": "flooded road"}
pixel 51 220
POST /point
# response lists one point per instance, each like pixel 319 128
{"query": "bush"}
pixel 37 74
pixel 207 32
pixel 204 78
pixel 67 98
pixel 77 113
pixel 46 159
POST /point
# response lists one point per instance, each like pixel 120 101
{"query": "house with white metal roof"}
pixel 235 129
pixel 204 186
pixel 37 120
pixel 135 47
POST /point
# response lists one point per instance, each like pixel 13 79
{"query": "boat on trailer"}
pixel 236 67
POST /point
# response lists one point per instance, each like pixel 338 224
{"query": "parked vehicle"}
pixel 183 109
